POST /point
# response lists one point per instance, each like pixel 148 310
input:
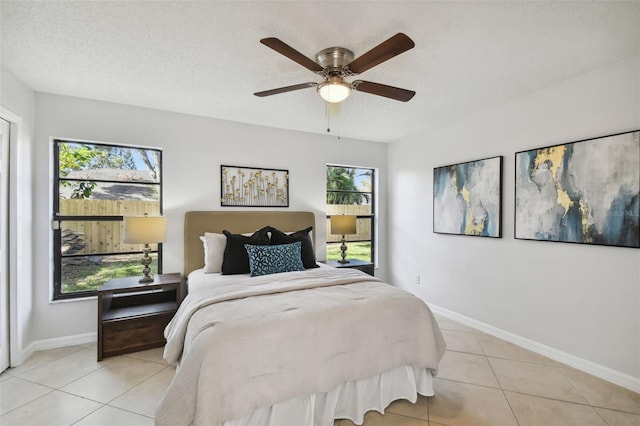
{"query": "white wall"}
pixel 193 150
pixel 581 300
pixel 18 107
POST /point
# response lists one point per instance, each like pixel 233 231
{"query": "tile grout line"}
pixel 560 368
pixel 574 403
pixel 581 394
pixel 467 383
pixel 73 381
pixel 8 370
pixel 32 382
pixel 515 416
pixel 105 366
pixel 51 390
pixel 88 414
pixel 504 395
pixel 134 386
pixel 614 409
pixel 535 395
pixel 561 371
pixel 65 384
pixel 54 389
pixel 599 415
pixel 587 404
pixel 110 406
pixel 428 410
pixel 129 411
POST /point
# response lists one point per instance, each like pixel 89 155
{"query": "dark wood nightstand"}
pixel 132 316
pixel 353 263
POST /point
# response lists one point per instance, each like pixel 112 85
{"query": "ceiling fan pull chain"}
pixel 332 110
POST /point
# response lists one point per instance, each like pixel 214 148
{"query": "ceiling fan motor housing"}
pixel 334 58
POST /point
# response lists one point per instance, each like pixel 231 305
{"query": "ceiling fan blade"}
pixel 391 92
pixel 285 89
pixel 386 50
pixel 291 53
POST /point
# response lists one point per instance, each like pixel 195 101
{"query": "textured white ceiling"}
pixel 205 58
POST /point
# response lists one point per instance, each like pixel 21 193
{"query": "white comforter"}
pixel 253 343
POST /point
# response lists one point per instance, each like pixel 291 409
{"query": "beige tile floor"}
pixel 482 381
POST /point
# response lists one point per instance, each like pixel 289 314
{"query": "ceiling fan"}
pixel 335 64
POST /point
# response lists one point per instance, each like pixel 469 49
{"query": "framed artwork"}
pixel 584 192
pixel 253 187
pixel 467 198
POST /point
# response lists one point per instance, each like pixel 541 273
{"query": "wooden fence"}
pixel 91 237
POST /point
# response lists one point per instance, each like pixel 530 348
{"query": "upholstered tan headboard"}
pixel 196 223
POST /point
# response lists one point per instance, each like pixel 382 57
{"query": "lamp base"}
pixel 343 249
pixel 146 261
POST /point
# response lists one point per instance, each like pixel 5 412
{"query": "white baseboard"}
pixel 622 379
pixel 57 342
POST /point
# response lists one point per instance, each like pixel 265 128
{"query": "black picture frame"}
pixel 583 192
pixel 467 198
pixel 242 186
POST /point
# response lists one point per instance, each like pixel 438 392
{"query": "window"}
pixel 95 186
pixel 351 191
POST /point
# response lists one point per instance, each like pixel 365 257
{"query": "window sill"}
pixel 75 299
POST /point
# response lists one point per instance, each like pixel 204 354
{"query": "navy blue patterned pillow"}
pixel 265 260
pixel 306 252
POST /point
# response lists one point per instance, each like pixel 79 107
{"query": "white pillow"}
pixel 214 245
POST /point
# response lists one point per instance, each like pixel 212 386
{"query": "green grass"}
pixel 361 251
pixel 88 276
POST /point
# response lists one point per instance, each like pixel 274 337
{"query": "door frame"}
pixel 19 239
pixel 5 170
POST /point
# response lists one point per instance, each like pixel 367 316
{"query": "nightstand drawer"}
pixel 129 335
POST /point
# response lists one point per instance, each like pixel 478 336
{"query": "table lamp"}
pixel 145 230
pixel 343 225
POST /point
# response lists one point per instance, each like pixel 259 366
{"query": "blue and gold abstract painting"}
pixel 581 192
pixel 467 198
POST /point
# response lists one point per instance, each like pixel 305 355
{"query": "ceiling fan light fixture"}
pixel 334 90
pixel 337 63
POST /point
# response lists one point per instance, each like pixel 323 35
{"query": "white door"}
pixel 4 244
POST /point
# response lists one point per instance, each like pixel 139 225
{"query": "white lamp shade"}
pixel 334 90
pixel 343 224
pixel 145 229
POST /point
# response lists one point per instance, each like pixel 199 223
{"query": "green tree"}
pixel 79 156
pixel 341 186
pixel 76 157
pixel 112 158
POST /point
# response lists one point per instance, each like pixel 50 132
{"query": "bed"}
pixel 301 347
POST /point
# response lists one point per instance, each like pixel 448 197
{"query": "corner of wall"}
pixel 18 107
